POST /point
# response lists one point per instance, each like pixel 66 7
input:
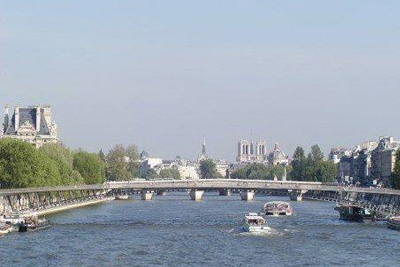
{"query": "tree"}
pixel 21 165
pixel 63 158
pixel 132 154
pixel 395 178
pixel 316 153
pixel 102 155
pixel 170 173
pixel 257 172
pixel 117 168
pixel 208 169
pixel 90 166
pixel 298 165
pixel 150 174
pixel 317 169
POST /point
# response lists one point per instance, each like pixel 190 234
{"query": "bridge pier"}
pixel 225 192
pixel 297 195
pixel 146 195
pixel 247 195
pixel 196 195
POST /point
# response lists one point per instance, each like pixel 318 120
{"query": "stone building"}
pixel 355 165
pixel 252 152
pixel 337 153
pixel 32 124
pixel 361 163
pixel 383 159
pixel 277 157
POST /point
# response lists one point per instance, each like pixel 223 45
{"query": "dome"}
pixel 277 156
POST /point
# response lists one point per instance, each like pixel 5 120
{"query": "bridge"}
pixel 42 197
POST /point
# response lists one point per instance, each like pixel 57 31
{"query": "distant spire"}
pixel 203 149
pixel 203 154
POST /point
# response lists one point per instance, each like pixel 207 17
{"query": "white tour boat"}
pixel 277 208
pixel 254 223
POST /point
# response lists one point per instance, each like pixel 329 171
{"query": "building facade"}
pixel 252 152
pixel 383 159
pixel 32 124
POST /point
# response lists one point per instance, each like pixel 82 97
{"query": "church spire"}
pixel 203 154
pixel 203 149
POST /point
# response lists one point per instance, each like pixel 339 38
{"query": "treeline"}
pixel 22 165
pixel 313 167
pixel 122 163
pixel 259 171
pixel 302 168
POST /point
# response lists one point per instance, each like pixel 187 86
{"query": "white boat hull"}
pixel 122 197
pixel 255 228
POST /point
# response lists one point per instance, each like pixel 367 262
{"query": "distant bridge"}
pixel 26 198
pixel 204 184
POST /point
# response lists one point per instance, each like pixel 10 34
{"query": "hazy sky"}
pixel 162 74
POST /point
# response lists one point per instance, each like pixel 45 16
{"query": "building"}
pixel 32 124
pixel 277 157
pixel 249 152
pixel 361 163
pixel 383 159
pixel 337 153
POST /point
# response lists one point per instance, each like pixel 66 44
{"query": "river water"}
pixel 172 230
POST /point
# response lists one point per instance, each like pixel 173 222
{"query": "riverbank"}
pixel 73 206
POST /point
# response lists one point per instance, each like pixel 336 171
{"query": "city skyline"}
pixel 161 76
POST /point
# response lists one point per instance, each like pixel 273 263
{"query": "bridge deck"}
pixel 205 184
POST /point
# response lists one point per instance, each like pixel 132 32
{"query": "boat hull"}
pixel 393 224
pixel 255 228
pixel 31 228
pixel 354 214
pixel 122 197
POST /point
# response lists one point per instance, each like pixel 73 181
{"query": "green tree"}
pixel 102 155
pixel 90 166
pixel 395 178
pixel 208 169
pixel 257 172
pixel 170 173
pixel 316 153
pixel 63 158
pixel 132 154
pixel 21 165
pixel 298 172
pixel 150 174
pixel 117 164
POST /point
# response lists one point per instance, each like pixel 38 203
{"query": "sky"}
pixel 163 74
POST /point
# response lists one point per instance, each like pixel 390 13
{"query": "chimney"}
pixel 16 121
pixel 38 119
pixel 6 119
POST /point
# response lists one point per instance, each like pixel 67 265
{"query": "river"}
pixel 172 230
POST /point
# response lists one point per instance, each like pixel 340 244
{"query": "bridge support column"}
pixel 225 192
pixel 247 195
pixel 196 195
pixel 297 195
pixel 146 195
pixel 161 193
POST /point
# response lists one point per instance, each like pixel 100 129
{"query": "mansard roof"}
pixel 28 115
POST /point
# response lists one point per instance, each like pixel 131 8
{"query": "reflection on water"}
pixel 172 230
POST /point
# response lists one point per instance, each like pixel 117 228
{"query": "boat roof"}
pixel 254 216
pixel 277 202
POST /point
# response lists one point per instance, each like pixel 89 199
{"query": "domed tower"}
pixel 277 157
